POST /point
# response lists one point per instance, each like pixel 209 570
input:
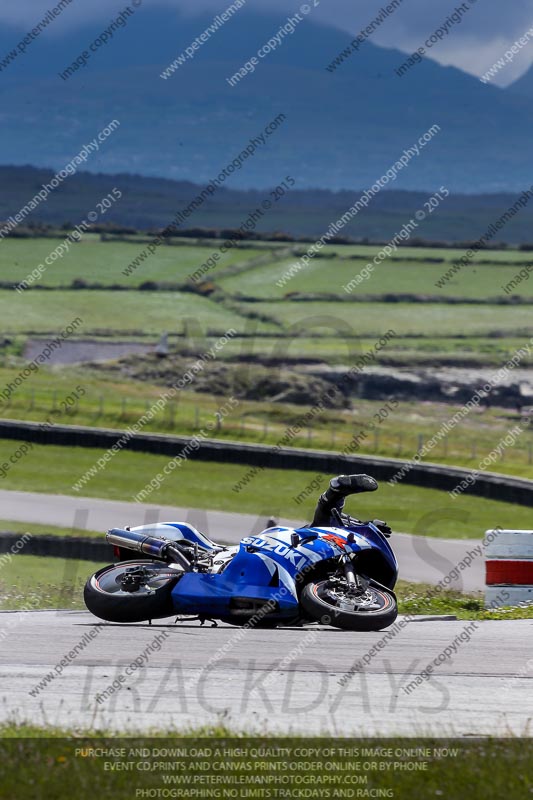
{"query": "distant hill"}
pixel 524 85
pixel 343 129
pixel 149 203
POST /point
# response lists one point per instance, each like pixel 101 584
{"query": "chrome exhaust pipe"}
pixel 131 540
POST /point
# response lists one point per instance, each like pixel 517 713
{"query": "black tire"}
pixel 105 598
pixel 320 604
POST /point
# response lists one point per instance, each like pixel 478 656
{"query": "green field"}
pixel 448 254
pixel 142 313
pixel 95 261
pixel 427 332
pixel 114 313
pixel 413 319
pixel 329 276
pixel 196 484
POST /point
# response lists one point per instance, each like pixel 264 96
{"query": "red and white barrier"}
pixel 509 567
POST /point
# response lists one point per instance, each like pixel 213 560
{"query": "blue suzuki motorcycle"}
pixel 342 574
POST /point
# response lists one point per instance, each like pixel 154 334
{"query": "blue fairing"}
pixel 249 575
pixel 378 542
pixel 265 568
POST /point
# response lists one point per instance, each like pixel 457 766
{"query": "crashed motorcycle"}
pixel 341 574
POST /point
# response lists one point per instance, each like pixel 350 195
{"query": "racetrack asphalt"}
pixel 308 680
pixel 303 680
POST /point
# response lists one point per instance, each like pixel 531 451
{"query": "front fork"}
pixel 351 576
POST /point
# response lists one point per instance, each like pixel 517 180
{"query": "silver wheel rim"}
pixel 109 582
pixel 366 601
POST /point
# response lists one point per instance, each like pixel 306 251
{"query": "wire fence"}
pixel 189 414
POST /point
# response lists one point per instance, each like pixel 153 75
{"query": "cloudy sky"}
pixel 486 32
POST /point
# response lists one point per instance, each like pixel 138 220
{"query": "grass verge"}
pixel 195 484
pixel 222 765
pixel 34 583
pixel 419 598
pixel 38 529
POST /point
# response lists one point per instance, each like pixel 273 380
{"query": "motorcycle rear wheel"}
pixel 106 598
pixel 375 609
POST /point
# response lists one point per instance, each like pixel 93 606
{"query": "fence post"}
pixel 420 442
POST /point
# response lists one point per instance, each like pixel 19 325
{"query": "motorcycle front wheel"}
pixel 333 602
pixel 132 591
